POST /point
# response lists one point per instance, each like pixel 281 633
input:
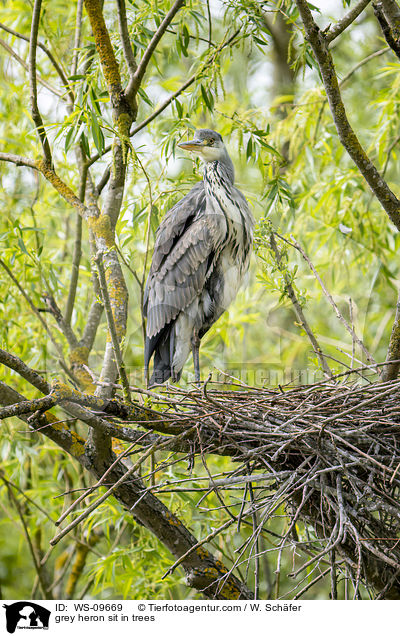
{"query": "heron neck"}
pixel 223 166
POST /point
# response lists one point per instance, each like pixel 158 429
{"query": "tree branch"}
pixel 36 116
pixel 17 365
pixel 391 371
pixel 347 136
pixel 68 440
pixel 76 258
pixel 136 80
pixel 342 24
pixel 49 54
pixel 35 311
pixel 77 38
pixel 386 28
pixel 124 33
pixel 172 97
pixel 298 309
pixel 203 571
pixel 340 316
pixel 26 67
pixel 112 328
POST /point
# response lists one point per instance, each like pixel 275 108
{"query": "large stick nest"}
pixel 330 453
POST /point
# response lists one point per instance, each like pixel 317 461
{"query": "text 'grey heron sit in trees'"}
pixel 201 254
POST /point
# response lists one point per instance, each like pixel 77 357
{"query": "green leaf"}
pixel 97 133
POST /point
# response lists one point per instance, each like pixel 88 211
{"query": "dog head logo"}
pixel 26 615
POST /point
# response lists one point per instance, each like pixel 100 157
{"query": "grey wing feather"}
pixel 181 277
pixel 175 221
pixel 172 226
pixel 182 253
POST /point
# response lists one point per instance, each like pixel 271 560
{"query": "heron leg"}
pixel 196 357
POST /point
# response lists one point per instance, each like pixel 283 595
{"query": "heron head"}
pixel 207 144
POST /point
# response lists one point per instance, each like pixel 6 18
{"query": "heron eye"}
pixel 211 142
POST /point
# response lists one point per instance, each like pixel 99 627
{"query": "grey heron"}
pixel 201 254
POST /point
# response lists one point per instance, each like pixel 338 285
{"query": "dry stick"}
pixel 99 483
pixel 193 548
pixel 36 116
pixel 341 318
pixel 297 307
pixel 112 328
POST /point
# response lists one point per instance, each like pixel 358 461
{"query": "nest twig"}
pixel 330 453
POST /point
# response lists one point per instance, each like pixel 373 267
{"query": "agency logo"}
pixel 26 615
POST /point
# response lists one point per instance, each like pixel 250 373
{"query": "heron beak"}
pixel 194 144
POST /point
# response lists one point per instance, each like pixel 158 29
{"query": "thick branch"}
pixel 386 27
pixel 203 571
pixel 34 378
pixel 347 136
pixel 391 10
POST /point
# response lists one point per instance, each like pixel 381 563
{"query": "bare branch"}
pixel 340 316
pixel 124 33
pixel 49 54
pixel 36 116
pixel 391 371
pixel 35 558
pixel 136 80
pixel 342 24
pixel 298 309
pixel 347 136
pixel 18 160
pixel 33 377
